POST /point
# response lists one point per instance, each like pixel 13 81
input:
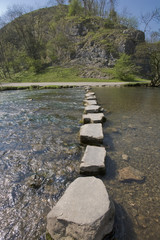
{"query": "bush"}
pixel 75 8
pixel 124 68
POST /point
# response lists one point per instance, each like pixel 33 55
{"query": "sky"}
pixel 134 7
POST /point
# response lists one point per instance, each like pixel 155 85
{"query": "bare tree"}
pixel 147 18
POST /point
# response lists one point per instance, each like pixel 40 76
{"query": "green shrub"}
pixel 124 68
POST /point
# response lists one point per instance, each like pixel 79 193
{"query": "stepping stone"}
pixel 91 134
pixel 92 109
pixel 91 97
pixel 90 102
pixel 93 161
pixel 90 94
pixel 83 212
pixel 93 118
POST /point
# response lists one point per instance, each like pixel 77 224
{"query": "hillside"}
pixel 49 37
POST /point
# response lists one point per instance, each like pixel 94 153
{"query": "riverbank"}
pixel 39 85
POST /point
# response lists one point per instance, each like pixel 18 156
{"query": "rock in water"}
pixel 91 134
pixel 93 161
pixel 130 174
pixel 83 212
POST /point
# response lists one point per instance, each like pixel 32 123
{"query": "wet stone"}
pixel 90 102
pixel 83 212
pixel 90 94
pixel 130 174
pixel 93 161
pixel 125 157
pixel 91 134
pixel 91 97
pixel 92 109
pixel 93 118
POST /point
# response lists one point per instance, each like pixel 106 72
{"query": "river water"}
pixel 133 128
pixel 40 156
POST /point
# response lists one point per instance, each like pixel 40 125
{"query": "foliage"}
pixel 151 53
pixel 75 8
pixel 124 68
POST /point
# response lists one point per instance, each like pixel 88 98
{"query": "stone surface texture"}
pixel 91 133
pixel 92 109
pixel 93 161
pixel 91 97
pixel 83 212
pixel 93 118
pixel 90 102
pixel 89 94
pixel 130 174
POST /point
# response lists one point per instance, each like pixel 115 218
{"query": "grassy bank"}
pixel 58 74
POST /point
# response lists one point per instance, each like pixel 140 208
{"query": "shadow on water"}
pixel 123 226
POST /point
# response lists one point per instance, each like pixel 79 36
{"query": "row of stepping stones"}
pixel 85 210
pixel 91 133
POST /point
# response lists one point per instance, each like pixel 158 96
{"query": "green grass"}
pixel 59 74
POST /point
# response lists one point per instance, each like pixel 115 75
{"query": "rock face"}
pixel 84 212
pixel 93 118
pixel 93 161
pixel 91 134
pixel 130 174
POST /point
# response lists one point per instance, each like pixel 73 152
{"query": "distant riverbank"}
pixel 24 85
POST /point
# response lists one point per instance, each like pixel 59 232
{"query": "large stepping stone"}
pixel 91 134
pixel 92 109
pixel 89 94
pixel 90 102
pixel 93 161
pixel 91 97
pixel 93 118
pixel 83 212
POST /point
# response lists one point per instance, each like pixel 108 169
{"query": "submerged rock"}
pixel 83 212
pixel 130 174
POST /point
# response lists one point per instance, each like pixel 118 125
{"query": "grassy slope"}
pixel 58 74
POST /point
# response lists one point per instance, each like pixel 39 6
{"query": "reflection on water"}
pixel 133 128
pixel 39 156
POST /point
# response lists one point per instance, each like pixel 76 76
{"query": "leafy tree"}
pixel 124 68
pixel 75 8
pixel 149 55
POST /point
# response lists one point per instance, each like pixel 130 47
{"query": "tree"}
pixel 147 18
pixel 124 68
pixel 75 8
pixel 149 55
pixel 127 19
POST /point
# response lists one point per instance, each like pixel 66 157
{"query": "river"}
pixel 40 156
pixel 133 128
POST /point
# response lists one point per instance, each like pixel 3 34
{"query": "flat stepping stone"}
pixel 93 118
pixel 91 134
pixel 89 94
pixel 90 102
pixel 91 97
pixel 93 161
pixel 83 212
pixel 92 109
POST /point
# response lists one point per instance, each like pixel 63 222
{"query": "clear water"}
pixel 39 156
pixel 133 128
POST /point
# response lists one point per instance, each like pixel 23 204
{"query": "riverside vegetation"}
pixel 75 42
